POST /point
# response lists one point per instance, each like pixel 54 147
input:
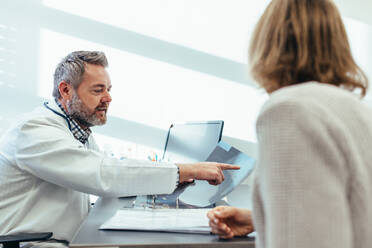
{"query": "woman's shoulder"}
pixel 311 90
pixel 314 102
pixel 311 95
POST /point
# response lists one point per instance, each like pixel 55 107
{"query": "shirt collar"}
pixel 80 133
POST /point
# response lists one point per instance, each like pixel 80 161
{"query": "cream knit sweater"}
pixel 313 184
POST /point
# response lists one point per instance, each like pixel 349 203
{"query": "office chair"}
pixel 12 241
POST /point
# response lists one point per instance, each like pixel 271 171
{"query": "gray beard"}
pixel 79 112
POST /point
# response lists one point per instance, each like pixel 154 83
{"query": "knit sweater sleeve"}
pixel 301 179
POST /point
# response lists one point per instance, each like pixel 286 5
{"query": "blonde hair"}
pixel 297 41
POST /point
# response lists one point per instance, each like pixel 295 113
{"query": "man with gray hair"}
pixel 49 161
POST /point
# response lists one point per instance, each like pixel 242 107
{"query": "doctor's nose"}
pixel 106 98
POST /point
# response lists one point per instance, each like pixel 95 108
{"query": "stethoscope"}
pixel 57 113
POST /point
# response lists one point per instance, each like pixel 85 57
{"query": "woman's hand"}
pixel 228 222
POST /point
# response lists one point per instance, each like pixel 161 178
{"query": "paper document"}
pixel 166 220
pixel 202 194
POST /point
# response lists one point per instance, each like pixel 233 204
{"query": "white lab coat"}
pixel 45 174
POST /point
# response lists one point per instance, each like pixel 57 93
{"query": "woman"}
pixel 313 184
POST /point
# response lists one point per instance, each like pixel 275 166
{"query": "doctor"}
pixel 49 161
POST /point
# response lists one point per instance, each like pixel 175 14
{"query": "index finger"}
pixel 213 211
pixel 224 166
pixel 211 215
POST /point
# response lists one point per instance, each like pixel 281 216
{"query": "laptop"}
pixel 189 142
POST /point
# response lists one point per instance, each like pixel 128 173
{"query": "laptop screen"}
pixel 192 141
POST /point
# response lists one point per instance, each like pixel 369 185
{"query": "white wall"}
pixel 170 60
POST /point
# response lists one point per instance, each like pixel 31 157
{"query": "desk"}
pixel 88 234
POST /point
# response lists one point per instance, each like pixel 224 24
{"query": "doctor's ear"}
pixel 65 90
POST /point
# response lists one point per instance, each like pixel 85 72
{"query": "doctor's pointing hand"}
pixel 209 171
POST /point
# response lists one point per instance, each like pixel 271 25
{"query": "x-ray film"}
pixel 202 194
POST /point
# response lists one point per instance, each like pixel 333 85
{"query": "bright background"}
pixel 170 61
